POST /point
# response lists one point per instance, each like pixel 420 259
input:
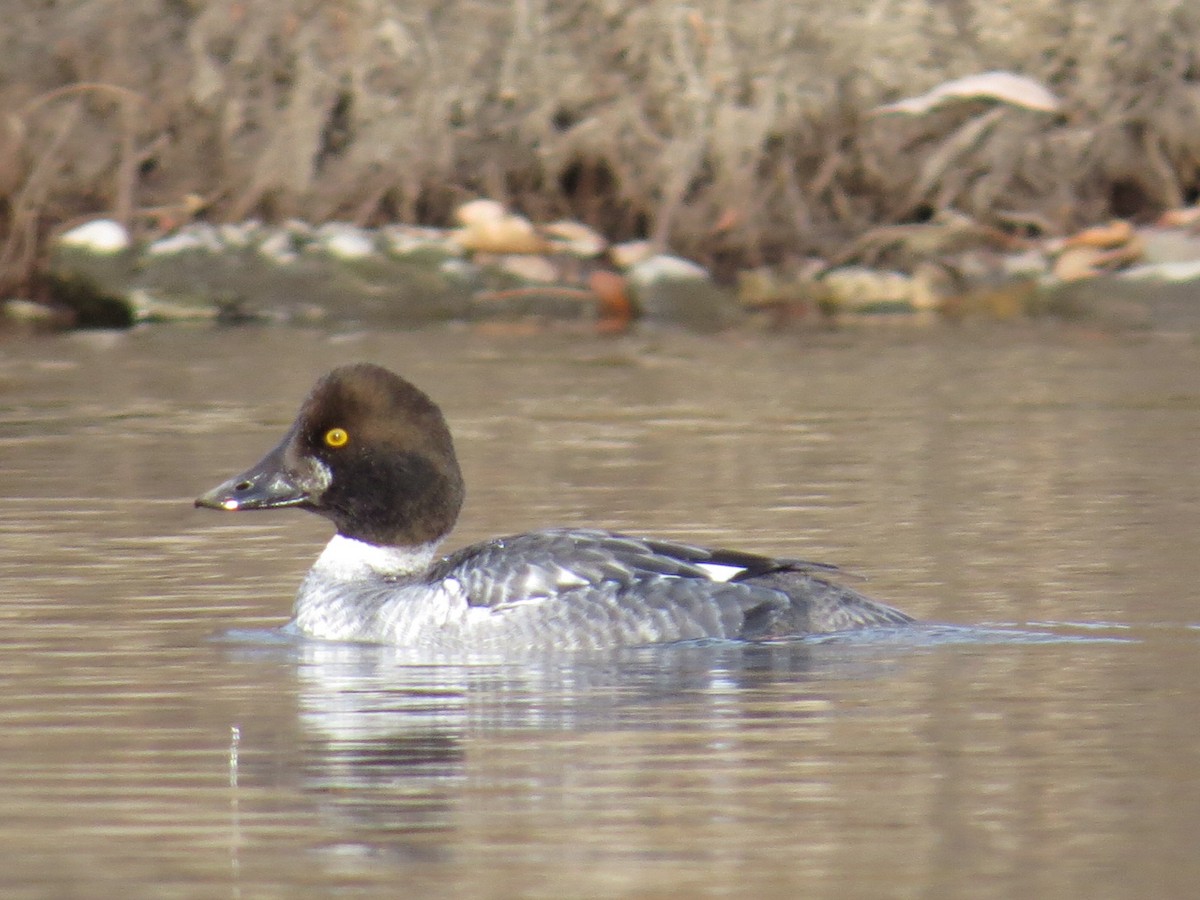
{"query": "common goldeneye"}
pixel 372 453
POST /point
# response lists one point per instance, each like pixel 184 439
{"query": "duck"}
pixel 373 454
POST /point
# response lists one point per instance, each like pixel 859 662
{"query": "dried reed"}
pixel 733 132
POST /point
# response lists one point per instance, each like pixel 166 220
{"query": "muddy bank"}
pixel 735 139
pixel 498 269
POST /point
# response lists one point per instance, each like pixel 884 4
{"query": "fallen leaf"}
pixel 1006 87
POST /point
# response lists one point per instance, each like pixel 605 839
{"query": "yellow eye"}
pixel 336 437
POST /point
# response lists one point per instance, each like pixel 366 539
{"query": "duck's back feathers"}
pixel 651 590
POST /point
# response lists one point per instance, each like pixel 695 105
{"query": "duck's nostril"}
pixel 242 486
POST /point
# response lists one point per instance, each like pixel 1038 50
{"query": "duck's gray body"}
pixel 581 589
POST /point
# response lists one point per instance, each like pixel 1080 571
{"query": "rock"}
pixel 784 295
pixel 1088 260
pixel 489 228
pixel 480 212
pixel 280 247
pixel 663 267
pixel 1115 234
pixel 535 269
pixel 97 236
pixel 612 292
pixel 509 234
pixel 670 290
pixel 630 253
pixel 763 286
pixel 1185 217
pixel 459 270
pixel 149 308
pixel 862 290
pixel 931 284
pixel 1076 263
pixel 240 234
pixel 412 240
pixel 31 316
pixel 1169 245
pixel 1031 263
pixel 197 236
pixel 89 271
pixel 344 241
pixel 575 238
pixel 1165 271
pixel 96 298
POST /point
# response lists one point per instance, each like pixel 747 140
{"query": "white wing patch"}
pixel 721 572
pixel 566 579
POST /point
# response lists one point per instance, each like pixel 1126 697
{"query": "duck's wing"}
pixel 554 559
pixel 661 590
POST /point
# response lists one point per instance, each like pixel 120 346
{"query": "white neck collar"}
pixel 346 558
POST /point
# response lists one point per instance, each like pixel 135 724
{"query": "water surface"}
pixel 154 739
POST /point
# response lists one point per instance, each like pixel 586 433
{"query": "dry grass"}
pixel 732 132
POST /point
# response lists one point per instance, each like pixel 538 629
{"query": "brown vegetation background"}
pixel 734 132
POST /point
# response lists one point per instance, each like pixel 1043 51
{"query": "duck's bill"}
pixel 268 485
